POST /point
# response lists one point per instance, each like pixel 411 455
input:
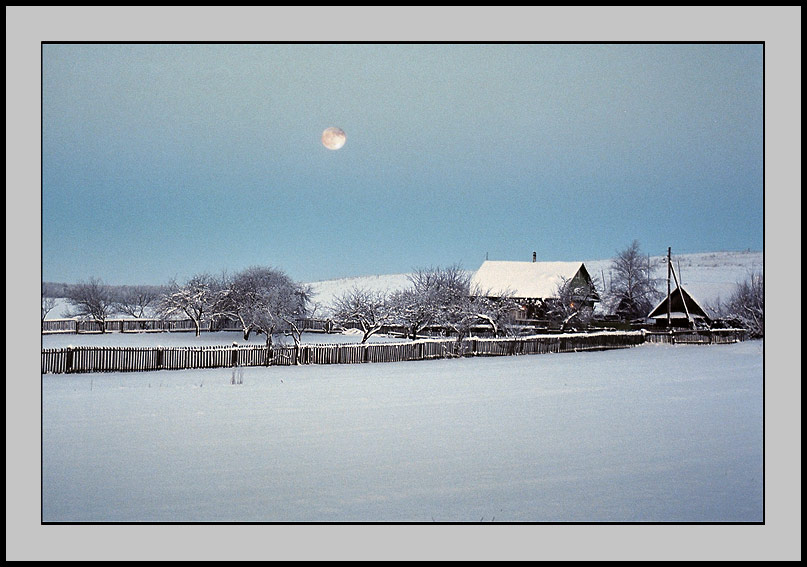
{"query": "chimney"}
pixel 534 256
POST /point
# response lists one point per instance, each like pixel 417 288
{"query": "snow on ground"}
pixel 189 338
pixel 656 433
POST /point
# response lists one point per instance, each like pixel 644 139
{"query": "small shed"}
pixel 533 284
pixel 684 310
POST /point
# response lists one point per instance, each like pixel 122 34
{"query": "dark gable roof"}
pixel 677 305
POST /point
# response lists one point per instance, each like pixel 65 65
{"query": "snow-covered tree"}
pixel 48 303
pixel 746 305
pixel 495 312
pixel 633 291
pixel 368 309
pixel 198 299
pixel 92 299
pixel 431 292
pixel 411 311
pixel 444 297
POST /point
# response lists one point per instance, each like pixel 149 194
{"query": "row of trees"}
pixel 438 296
pixel 265 300
pixel 98 301
pixel 261 299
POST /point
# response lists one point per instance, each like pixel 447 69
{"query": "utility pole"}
pixel 669 267
pixel 690 320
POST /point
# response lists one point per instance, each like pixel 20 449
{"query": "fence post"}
pixel 68 364
pixel 234 356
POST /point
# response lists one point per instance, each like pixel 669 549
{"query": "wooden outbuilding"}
pixel 684 311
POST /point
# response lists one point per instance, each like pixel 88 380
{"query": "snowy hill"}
pixel 708 276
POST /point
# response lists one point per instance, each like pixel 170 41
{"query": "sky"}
pixel 161 161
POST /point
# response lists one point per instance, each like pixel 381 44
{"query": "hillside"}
pixel 708 276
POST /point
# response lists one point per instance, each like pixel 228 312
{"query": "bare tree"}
pixel 296 298
pixel 633 291
pixel 92 299
pixel 368 309
pixel 198 299
pixel 260 298
pixel 746 305
pixel 239 298
pixel 48 303
pixel 267 301
pixel 136 300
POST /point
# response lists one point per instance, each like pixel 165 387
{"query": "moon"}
pixel 333 138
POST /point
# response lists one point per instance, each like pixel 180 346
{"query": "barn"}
pixel 684 311
pixel 535 285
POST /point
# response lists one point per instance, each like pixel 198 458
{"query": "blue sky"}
pixel 165 160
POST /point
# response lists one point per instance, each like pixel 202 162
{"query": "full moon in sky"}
pixel 333 138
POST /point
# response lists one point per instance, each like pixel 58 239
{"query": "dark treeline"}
pixel 58 289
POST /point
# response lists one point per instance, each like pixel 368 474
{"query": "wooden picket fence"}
pixel 133 359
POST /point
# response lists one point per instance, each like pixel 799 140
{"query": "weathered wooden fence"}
pixel 119 325
pixel 130 359
pixel 75 325
pixel 696 337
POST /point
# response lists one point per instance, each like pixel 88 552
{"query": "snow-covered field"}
pixel 650 434
pixel 655 433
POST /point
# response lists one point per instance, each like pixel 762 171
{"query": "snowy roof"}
pixel 523 279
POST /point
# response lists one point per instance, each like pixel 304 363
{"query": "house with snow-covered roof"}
pixel 535 284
